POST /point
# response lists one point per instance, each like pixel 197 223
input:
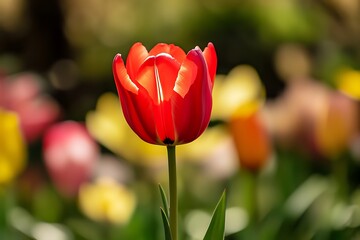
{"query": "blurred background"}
pixel 283 139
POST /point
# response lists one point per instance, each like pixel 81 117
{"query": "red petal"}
pixel 159 48
pixel 177 53
pixel 164 122
pixel 171 49
pixel 135 103
pixel 186 77
pixel 211 61
pixel 135 58
pixel 157 75
pixel 192 100
pixel 141 115
pixel 121 76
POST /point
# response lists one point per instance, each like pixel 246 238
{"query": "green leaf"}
pixel 217 225
pixel 164 201
pixel 166 225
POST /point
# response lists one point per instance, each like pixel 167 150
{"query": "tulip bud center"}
pixel 168 141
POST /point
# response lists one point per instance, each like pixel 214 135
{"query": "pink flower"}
pixel 70 154
pixel 23 94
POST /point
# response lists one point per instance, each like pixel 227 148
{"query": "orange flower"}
pixel 251 140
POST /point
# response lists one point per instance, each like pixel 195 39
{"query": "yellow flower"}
pixel 108 126
pixel 242 86
pixel 348 82
pixel 336 125
pixel 12 147
pixel 238 98
pixel 204 146
pixel 107 200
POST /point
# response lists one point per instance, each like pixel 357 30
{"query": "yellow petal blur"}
pixel 108 126
pixel 203 146
pixel 336 126
pixel 12 147
pixel 240 86
pixel 348 82
pixel 108 201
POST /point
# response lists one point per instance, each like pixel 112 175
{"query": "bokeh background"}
pixel 283 140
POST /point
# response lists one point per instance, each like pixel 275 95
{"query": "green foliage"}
pixel 217 225
pixel 167 230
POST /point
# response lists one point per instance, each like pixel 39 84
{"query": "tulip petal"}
pixel 157 75
pixel 175 51
pixel 186 77
pixel 135 58
pixel 211 61
pixel 135 103
pixel 164 122
pixel 192 100
pixel 140 115
pixel 121 76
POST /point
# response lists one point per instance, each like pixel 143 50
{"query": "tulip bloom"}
pixel 12 147
pixel 107 200
pixel 165 94
pixel 251 140
pixel 70 154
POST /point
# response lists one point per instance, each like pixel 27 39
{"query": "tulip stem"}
pixel 173 191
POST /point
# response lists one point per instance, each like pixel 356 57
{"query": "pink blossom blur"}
pixel 70 155
pixel 23 94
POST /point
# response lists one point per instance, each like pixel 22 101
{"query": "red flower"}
pixel 165 94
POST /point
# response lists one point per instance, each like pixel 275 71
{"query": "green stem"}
pixel 253 196
pixel 340 172
pixel 173 191
pixel 7 196
pixel 250 181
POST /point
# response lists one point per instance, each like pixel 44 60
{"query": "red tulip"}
pixel 165 94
